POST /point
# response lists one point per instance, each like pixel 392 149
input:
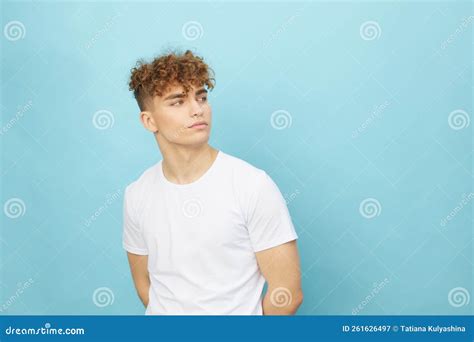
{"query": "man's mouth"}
pixel 199 124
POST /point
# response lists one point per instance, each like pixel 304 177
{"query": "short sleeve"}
pixel 268 220
pixel 133 240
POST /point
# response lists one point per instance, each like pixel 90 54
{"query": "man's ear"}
pixel 148 121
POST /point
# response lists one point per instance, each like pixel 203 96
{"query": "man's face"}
pixel 183 119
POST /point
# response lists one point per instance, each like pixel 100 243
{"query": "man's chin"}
pixel 196 142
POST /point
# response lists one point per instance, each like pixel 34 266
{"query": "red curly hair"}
pixel 150 79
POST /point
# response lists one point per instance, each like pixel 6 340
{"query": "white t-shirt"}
pixel 201 237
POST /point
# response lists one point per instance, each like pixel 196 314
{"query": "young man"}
pixel 203 230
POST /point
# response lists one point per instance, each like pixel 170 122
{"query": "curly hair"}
pixel 155 78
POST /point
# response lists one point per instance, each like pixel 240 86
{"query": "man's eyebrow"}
pixel 201 91
pixel 181 95
pixel 174 96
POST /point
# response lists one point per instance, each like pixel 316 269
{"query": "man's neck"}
pixel 185 165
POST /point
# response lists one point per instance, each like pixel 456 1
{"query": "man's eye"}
pixel 204 98
pixel 177 103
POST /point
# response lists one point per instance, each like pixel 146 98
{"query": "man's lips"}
pixel 201 123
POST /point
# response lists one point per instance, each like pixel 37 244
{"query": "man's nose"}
pixel 196 107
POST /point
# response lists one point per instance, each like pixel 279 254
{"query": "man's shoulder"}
pixel 244 173
pixel 143 182
pixel 241 165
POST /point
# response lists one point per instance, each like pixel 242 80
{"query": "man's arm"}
pixel 280 267
pixel 141 279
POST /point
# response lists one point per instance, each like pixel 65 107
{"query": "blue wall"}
pixel 360 112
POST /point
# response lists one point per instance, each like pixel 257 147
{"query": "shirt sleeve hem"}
pixel 276 243
pixel 134 250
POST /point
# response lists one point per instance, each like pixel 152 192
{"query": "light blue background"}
pixel 309 59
